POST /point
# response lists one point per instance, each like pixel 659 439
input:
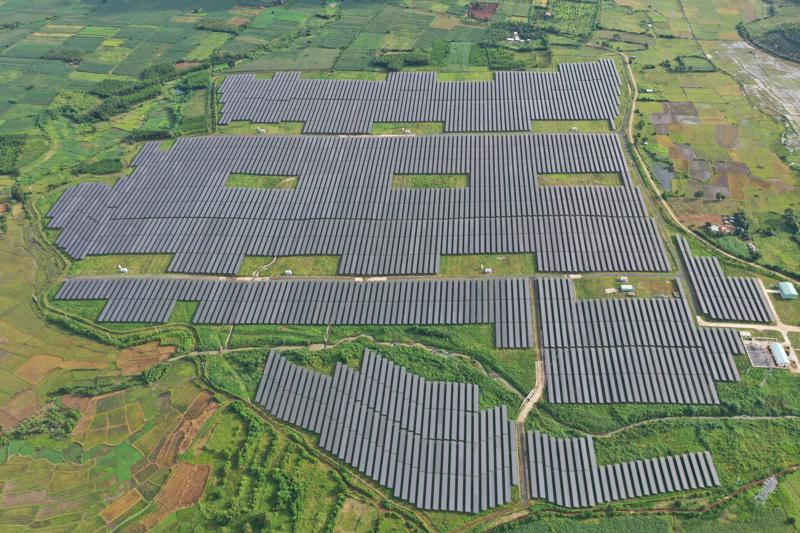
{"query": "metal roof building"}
pixel 787 290
pixel 779 354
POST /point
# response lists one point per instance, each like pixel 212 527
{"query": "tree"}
pixel 698 194
pixel 719 196
pixel 790 219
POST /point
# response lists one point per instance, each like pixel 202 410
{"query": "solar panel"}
pixel 176 202
pixel 574 91
pixel 721 297
pixel 337 302
pixel 632 350
pixel 368 431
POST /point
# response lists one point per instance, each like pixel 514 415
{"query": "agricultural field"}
pixel 136 427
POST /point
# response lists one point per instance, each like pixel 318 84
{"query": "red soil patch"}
pixel 179 441
pixel 239 21
pixel 183 488
pixel 134 360
pixel 121 505
pixel 186 64
pixel 20 407
pixel 482 11
pixel 727 136
pixel 39 366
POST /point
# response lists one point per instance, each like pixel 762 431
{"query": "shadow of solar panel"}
pixel 565 472
pixel 632 350
pixel 502 302
pixel 428 442
pixel 176 202
pixel 575 91
pixel 722 297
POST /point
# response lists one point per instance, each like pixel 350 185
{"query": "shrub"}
pixel 67 55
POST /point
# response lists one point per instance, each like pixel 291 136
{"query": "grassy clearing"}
pixel 501 264
pixel 106 265
pixel 477 341
pixel 252 128
pixel 401 128
pixel 311 265
pixel 589 287
pixel 430 181
pixel 605 179
pixel 259 181
pixel 567 126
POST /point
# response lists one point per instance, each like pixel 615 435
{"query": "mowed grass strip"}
pixel 605 179
pixel 430 181
pixel 258 181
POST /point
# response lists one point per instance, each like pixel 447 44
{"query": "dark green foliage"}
pixel 196 80
pixel 218 24
pixel 159 71
pixel 118 104
pixel 10 147
pixel 108 88
pixel 101 166
pixel 67 55
pixel 395 62
pixel 58 422
pixel 149 134
pixel 105 384
pixel 781 39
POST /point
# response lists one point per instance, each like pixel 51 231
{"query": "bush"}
pixel 67 55
pixel 74 105
pixel 11 146
pixel 101 166
pixel 218 24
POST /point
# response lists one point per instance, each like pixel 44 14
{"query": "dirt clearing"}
pixel 139 358
pixel 121 505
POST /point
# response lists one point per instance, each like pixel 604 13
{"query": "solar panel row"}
pixel 565 472
pixel 177 202
pixel 576 91
pixel 632 350
pixel 502 302
pixel 722 297
pixel 427 441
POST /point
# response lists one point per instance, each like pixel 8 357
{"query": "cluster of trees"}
pixel 105 384
pixel 57 421
pixel 67 55
pixel 395 62
pixel 11 146
pixel 219 24
pixel 101 166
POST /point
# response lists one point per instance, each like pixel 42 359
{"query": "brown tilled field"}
pixel 121 505
pixel 134 360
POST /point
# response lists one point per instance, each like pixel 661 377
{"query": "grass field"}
pixel 430 181
pixel 606 179
pixel 589 287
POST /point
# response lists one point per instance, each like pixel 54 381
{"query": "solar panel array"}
pixel 722 297
pixel 176 202
pixel 502 302
pixel 427 441
pixel 576 91
pixel 632 350
pixel 565 472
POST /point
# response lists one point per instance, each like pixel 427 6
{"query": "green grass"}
pixel 567 126
pixel 430 181
pixel 605 179
pixel 401 128
pixel 501 264
pixel 208 45
pixel 311 265
pixel 106 265
pixel 589 287
pixel 259 181
pixel 788 310
pixel 251 128
pixel 477 341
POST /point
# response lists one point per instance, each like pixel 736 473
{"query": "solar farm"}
pixel 395 267
pixel 427 442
